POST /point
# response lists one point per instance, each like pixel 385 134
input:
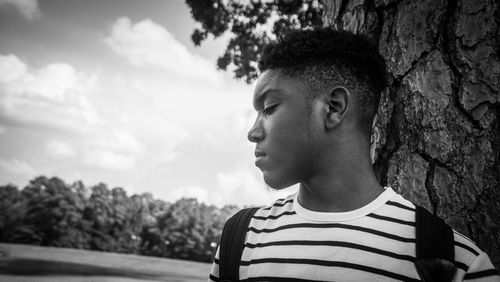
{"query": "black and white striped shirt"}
pixel 286 242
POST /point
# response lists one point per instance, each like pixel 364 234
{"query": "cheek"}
pixel 290 135
pixel 283 133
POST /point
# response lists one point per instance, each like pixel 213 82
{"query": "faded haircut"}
pixel 323 58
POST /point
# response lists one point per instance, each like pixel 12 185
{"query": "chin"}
pixel 276 183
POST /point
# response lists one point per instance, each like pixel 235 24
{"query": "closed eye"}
pixel 269 110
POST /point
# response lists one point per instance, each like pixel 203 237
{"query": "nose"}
pixel 256 133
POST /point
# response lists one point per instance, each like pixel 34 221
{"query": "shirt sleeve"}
pixel 482 270
pixel 214 273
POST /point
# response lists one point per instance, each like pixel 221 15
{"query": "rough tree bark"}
pixel 436 138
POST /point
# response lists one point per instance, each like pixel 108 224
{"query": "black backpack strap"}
pixel 435 247
pixel 232 243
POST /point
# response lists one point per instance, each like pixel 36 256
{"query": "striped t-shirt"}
pixel 286 242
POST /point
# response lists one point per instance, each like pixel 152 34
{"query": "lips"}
pixel 259 157
pixel 259 154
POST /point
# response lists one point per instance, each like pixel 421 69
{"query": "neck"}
pixel 345 184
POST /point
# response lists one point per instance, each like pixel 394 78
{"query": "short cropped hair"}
pixel 323 58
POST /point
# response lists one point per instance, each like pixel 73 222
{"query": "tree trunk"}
pixel 436 138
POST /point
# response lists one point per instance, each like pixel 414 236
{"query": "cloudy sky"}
pixel 116 92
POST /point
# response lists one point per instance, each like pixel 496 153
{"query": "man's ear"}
pixel 337 101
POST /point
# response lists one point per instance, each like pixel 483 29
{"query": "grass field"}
pixel 32 263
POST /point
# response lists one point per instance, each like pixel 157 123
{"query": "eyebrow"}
pixel 262 97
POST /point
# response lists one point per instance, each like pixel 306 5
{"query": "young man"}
pixel 316 98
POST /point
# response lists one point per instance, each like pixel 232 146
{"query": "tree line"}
pixel 50 212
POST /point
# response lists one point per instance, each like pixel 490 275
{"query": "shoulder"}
pixel 466 251
pixel 399 201
pixel 471 261
pixel 279 207
pixel 399 206
pixel 468 256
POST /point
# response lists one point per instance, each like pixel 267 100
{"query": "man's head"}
pixel 325 58
pixel 315 86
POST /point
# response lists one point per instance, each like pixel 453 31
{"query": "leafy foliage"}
pixel 49 212
pixel 253 24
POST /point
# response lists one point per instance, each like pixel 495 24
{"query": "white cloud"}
pixel 94 118
pixel 148 44
pixel 53 96
pixel 52 82
pixel 240 187
pixel 135 123
pixel 16 166
pixel 11 68
pixel 189 192
pixel 118 140
pixel 109 160
pixel 231 133
pixel 160 135
pixel 29 9
pixel 60 149
pixel 246 188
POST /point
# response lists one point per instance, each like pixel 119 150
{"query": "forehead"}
pixel 273 83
